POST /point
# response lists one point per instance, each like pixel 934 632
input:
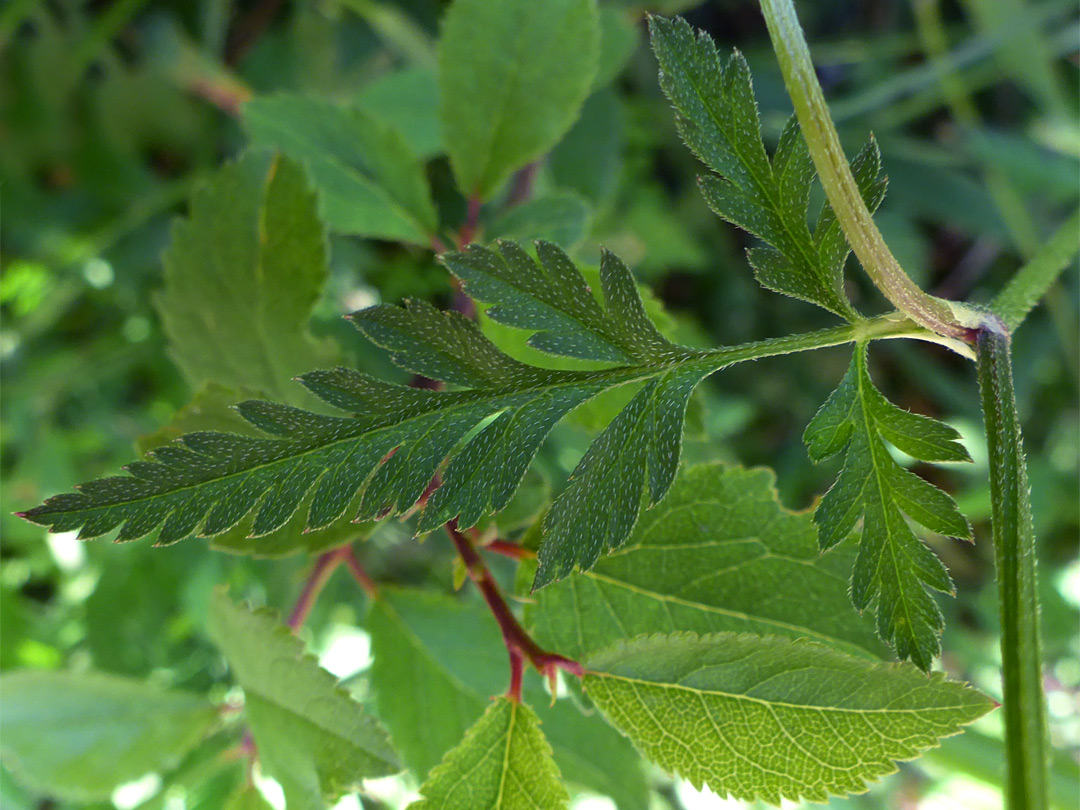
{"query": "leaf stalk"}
pixel 519 644
pixel 940 316
pixel 325 566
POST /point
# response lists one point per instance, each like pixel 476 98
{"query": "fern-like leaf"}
pixel 381 456
pixel 894 568
pixel 479 434
pixel 717 116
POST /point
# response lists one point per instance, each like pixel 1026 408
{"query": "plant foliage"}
pixel 528 398
pixel 894 568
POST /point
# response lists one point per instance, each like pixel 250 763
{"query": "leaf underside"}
pixel 504 763
pixel 894 568
pixel 764 717
pixel 717 116
pixel 719 554
pixel 380 457
pixel 422 671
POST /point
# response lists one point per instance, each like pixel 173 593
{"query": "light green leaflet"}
pixel 504 763
pixel 247 798
pixel 242 273
pixel 718 118
pixel 764 717
pixel 311 735
pixel 423 670
pixel 369 181
pixel 512 77
pixel 719 553
pixel 79 735
pixel 894 568
pixel 408 99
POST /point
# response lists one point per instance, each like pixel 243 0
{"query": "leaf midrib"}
pixel 765 191
pixel 734 614
pixel 774 703
pixel 711 361
pixel 876 448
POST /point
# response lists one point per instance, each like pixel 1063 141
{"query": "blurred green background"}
pixel 111 112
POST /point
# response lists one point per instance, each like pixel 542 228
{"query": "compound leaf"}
pixel 894 568
pixel 512 78
pixel 213 409
pixel 504 763
pixel 553 299
pixel 422 671
pixel 717 117
pixel 719 553
pixel 766 717
pixel 369 181
pixel 80 735
pixel 310 733
pixel 480 433
pixel 381 457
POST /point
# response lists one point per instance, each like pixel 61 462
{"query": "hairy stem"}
pixel 519 644
pixel 1014 555
pixel 1033 279
pixel 832 166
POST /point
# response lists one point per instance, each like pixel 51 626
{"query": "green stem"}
pixel 843 193
pixel 1014 555
pixel 1033 279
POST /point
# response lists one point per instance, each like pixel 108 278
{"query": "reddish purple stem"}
pixel 519 644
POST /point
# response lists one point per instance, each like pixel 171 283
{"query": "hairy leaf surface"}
pixel 765 717
pixel 894 568
pixel 512 77
pixel 236 306
pixel 396 438
pixel 80 735
pixel 489 422
pixel 717 116
pixel 311 735
pixel 720 553
pixel 213 409
pixel 504 763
